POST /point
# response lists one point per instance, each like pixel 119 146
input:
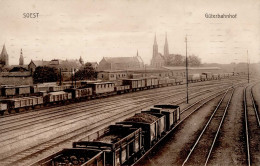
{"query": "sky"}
pixel 93 29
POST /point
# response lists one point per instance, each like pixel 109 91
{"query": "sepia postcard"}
pixel 129 82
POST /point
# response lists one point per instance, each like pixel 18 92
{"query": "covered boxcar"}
pixel 23 90
pixel 194 77
pixel 120 142
pixel 102 87
pixel 75 156
pixel 135 83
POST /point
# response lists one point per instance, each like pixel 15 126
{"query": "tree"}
pixel 45 74
pixel 175 60
pixel 194 60
pixel 86 72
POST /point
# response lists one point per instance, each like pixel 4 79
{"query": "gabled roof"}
pixel 58 63
pixel 134 59
pixel 40 63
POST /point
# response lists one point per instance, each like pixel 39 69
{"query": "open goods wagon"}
pixel 74 157
pixel 148 123
pixel 54 97
pixel 120 142
pixel 161 126
pixel 122 88
pixel 22 102
pixel 3 108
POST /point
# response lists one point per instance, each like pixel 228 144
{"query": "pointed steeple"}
pixel 155 42
pixel 21 60
pixel 155 47
pixel 4 59
pixel 166 48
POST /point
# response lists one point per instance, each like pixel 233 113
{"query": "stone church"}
pixel 158 60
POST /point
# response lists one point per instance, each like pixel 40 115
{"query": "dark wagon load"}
pixel 149 124
pixel 121 144
pixel 161 125
pixel 74 157
pixel 172 113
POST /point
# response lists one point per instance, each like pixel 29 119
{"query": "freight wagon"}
pixel 135 84
pixel 3 108
pixel 122 89
pixel 161 126
pixel 82 93
pixel 57 97
pixel 194 77
pixel 203 77
pixel 102 88
pixel 120 143
pixel 215 76
pixel 17 104
pixel 22 90
pixel 148 123
pixel 208 75
pixel 74 157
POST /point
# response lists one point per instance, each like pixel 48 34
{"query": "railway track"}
pixel 201 150
pixel 81 109
pixel 252 127
pixel 83 104
pixel 186 113
pixel 22 156
pixel 198 84
pixel 78 118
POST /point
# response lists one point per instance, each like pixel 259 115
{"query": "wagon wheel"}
pixel 9 111
pixel 2 113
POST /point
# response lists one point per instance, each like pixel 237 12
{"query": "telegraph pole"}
pixel 187 84
pixel 247 67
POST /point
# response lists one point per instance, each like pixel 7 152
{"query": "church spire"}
pixel 21 60
pixel 4 57
pixel 155 47
pixel 166 48
pixel 155 42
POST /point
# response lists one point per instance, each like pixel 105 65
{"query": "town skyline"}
pixel 97 29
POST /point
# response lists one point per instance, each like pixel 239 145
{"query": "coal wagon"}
pixel 121 144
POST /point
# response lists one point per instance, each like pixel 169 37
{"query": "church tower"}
pixel 155 47
pixel 166 48
pixel 4 59
pixel 21 60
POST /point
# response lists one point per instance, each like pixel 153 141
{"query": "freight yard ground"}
pixel 230 147
pixel 29 137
